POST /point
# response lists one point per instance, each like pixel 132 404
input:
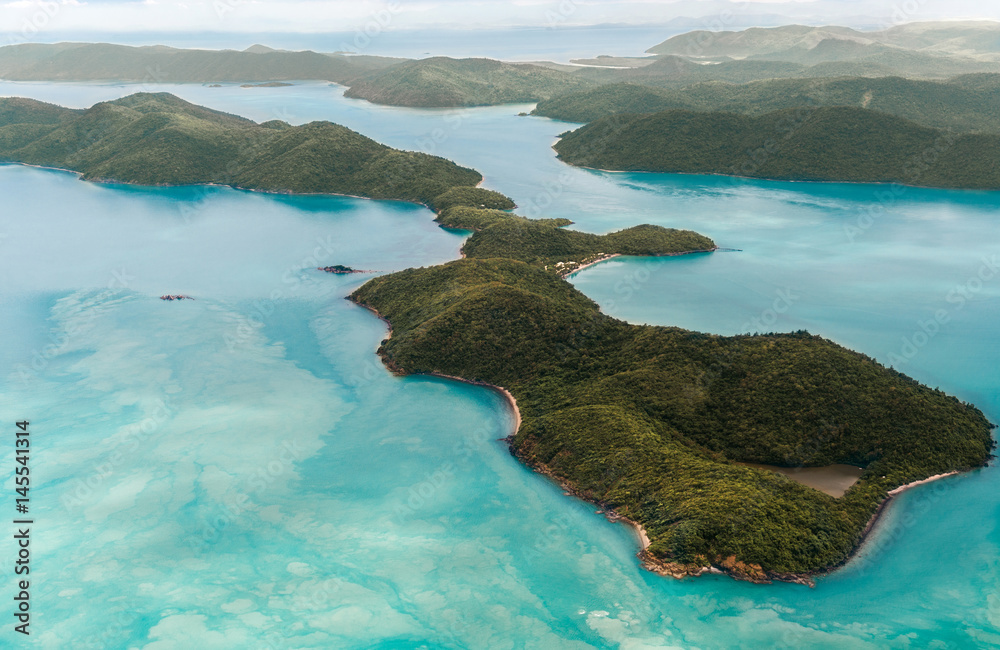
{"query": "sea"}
pixel 240 471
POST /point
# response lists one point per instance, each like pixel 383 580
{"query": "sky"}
pixel 27 20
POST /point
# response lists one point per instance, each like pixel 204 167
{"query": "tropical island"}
pixel 805 144
pixel 967 103
pixel 650 422
pixel 160 139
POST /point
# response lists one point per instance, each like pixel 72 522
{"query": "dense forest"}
pixel 651 421
pixel 159 139
pixel 443 81
pixel 814 144
pixel 966 103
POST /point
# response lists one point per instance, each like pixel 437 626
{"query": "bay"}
pixel 239 470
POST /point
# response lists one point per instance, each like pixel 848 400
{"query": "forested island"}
pixel 650 422
pixel 965 103
pixel 807 144
pixel 160 139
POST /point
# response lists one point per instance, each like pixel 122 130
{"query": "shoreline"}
pixel 511 400
pixel 736 570
pixel 903 488
pixel 588 265
pixel 570 274
pixel 876 517
pixel 778 180
pixel 112 181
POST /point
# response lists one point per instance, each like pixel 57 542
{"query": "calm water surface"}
pixel 240 471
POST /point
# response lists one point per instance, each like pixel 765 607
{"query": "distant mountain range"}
pixel 160 64
pixel 793 42
pixel 922 51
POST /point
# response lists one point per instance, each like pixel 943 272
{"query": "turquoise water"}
pixel 240 471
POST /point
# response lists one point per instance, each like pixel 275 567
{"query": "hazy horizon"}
pixel 51 20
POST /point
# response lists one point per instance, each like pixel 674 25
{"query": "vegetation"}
pixel 650 421
pixel 967 103
pixel 159 64
pixel 476 197
pixel 790 41
pixel 545 243
pixel 442 81
pixel 819 144
pixel 159 139
pixel 931 51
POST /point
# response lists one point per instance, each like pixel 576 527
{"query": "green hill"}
pixel 674 71
pixel 159 139
pixel 160 64
pixel 969 103
pixel 544 242
pixel 442 81
pixel 829 144
pixel 650 421
pixel 789 42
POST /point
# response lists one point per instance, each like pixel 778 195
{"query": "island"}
pixel 966 103
pixel 655 424
pixel 830 143
pixel 340 269
pixel 267 84
pixel 160 139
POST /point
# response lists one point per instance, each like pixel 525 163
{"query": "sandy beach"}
pixel 904 488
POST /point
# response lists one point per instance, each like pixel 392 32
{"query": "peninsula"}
pixel 160 139
pixel 652 423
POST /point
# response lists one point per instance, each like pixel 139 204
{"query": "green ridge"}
pixel 442 81
pixel 821 144
pixel 159 139
pixel 968 103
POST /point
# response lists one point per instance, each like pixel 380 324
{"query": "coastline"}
pixel 903 488
pixel 238 188
pixel 568 274
pixel 511 400
pixel 876 517
pixel 565 275
pixel 781 180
